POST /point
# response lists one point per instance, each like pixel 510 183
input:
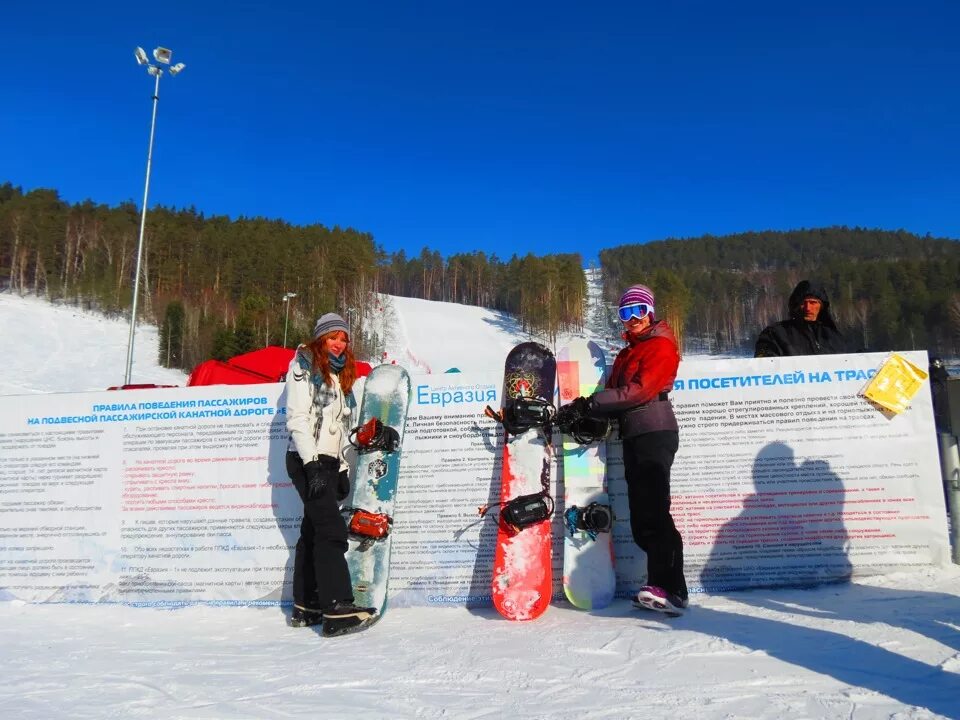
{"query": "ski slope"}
pixel 887 648
pixel 428 336
pixel 434 337
pixel 59 348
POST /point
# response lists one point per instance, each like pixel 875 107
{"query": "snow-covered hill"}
pixel 59 348
pixel 887 648
pixel 434 336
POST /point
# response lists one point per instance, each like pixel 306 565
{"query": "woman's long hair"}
pixel 321 361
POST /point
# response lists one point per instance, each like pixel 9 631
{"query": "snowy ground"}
pixel 887 648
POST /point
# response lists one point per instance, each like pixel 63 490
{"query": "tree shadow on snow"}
pixel 918 611
pixel 847 660
pixel 507 323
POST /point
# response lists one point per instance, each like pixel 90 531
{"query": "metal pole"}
pixel 950 466
pixel 143 222
pixel 286 321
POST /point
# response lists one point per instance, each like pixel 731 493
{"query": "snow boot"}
pixel 344 617
pixel 302 617
pixel 656 598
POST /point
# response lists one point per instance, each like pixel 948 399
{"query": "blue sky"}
pixel 510 127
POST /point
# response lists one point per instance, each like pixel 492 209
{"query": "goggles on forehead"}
pixel 639 311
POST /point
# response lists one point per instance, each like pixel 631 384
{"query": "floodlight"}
pixel 162 56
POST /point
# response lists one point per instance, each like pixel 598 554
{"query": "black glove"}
pixel 343 485
pixel 316 479
pixel 573 411
pixel 582 406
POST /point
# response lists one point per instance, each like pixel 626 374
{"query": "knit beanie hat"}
pixel 331 322
pixel 637 294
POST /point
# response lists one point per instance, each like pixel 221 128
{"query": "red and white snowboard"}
pixel 522 576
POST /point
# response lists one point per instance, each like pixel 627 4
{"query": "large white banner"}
pixel 146 496
pixel 785 476
pixel 169 496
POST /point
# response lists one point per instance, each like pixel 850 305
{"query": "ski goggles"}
pixel 639 311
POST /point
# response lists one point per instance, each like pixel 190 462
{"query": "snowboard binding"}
pixel 523 412
pixel 581 426
pixel 593 519
pixel 588 429
pixel 367 526
pixel 374 435
pixel 523 511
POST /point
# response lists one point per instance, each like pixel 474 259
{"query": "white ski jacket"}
pixel 317 414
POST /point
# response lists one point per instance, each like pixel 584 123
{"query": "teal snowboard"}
pixel 386 395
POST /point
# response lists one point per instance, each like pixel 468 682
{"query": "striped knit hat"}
pixel 637 294
pixel 331 322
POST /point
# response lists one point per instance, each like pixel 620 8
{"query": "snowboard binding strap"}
pixel 374 435
pixel 367 526
pixel 587 429
pixel 522 511
pixel 593 519
pixel 523 412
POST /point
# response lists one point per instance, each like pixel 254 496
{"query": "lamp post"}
pixel 162 56
pixel 286 322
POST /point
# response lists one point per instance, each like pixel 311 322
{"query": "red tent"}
pixel 271 361
pixel 266 365
pixel 215 372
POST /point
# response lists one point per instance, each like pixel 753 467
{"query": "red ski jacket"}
pixel 641 377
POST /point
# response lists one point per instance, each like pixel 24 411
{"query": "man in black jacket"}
pixel 809 331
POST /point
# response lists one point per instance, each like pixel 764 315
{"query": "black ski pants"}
pixel 320 572
pixel 647 459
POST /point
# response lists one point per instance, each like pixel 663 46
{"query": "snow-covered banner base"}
pixel 784 476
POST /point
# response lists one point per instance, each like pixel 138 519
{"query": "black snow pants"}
pixel 320 572
pixel 647 459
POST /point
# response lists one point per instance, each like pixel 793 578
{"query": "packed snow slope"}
pixel 887 648
pixel 59 348
pixel 428 336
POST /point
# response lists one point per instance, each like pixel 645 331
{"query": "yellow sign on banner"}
pixel 895 384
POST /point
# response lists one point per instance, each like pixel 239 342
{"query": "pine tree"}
pixel 170 351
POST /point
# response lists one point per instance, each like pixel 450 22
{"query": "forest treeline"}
pixel 215 285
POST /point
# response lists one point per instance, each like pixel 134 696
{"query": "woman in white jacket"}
pixel 319 404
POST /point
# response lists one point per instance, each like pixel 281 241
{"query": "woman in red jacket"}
pixel 636 395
